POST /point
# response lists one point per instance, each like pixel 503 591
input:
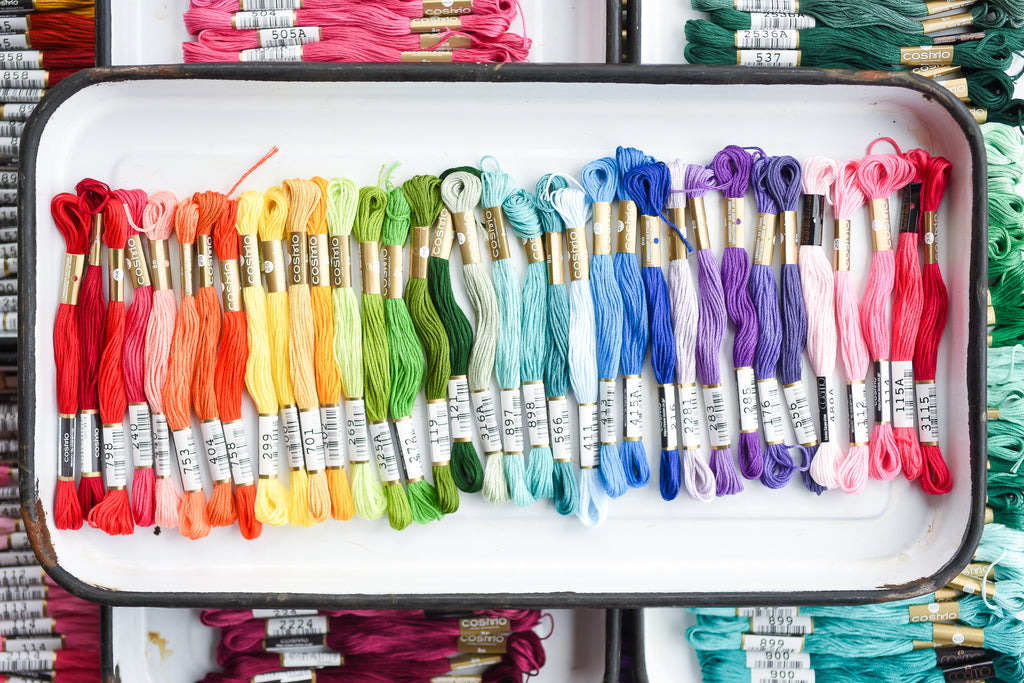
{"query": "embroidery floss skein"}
pixel 143 495
pixel 819 173
pixel 232 357
pixel 497 186
pixel 732 172
pixel 193 518
pixel 367 493
pixel 634 323
pixel 521 209
pixel 785 177
pixel 556 369
pixel 852 472
pixel 158 225
pixel 571 205
pixel 423 194
pixel 406 357
pixel 880 175
pixel 460 192
pixel 113 514
pixel 376 364
pixel 221 506
pixel 271 232
pixel 698 479
pixel 73 225
pixel 711 311
pixel 272 498
pixel 328 376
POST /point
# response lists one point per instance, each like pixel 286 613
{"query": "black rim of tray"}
pixel 33 508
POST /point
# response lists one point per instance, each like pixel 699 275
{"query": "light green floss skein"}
pixel 461 192
pixel 497 187
pixel 367 493
pixel 521 209
pixel 407 363
pixel 376 364
pixel 424 197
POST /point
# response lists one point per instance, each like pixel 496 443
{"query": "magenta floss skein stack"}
pixel 634 324
pixel 712 316
pixel 784 184
pixel 732 172
pixel 779 466
pixel 600 180
pixel 698 479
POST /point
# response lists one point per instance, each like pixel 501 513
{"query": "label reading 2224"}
pixel 295 626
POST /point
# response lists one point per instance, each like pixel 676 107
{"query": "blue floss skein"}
pixel 634 323
pixel 600 180
pixel 556 370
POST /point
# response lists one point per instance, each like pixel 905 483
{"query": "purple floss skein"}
pixel 648 185
pixel 779 467
pixel 712 315
pixel 785 176
pixel 634 310
pixel 732 172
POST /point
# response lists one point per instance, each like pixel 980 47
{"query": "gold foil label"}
pixel 319 261
pixel 841 246
pixel 940 6
pixel 369 256
pixel 881 230
pixel 931 237
pixel 71 280
pixel 484 626
pixel 186 269
pixel 441 246
pixel 699 223
pixel 483 644
pixel 231 281
pixel 764 242
pixel 602 228
pixel 427 56
pixel 556 268
pixel 650 241
pixel 943 23
pixel 946 594
pixel 250 261
pixel 957 86
pixel 273 266
pixel 298 269
pixel 926 55
pixel 735 210
pixel 465 232
pixel 433 40
pixel 979 570
pixel 790 243
pixel 339 260
pixel 96 245
pixel 137 261
pixel 626 228
pixel 576 242
pixel 980 115
pixel 420 253
pixel 436 24
pixel 935 611
pixel 534 248
pixel 935 71
pixel 949 634
pixel 204 257
pixel 446 8
pixel 393 271
pixel 160 264
pixel 972 586
pixel 495 222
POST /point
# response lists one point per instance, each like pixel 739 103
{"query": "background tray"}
pixel 666 656
pixel 891 541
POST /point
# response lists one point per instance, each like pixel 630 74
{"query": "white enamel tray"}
pixel 185 129
pixel 668 658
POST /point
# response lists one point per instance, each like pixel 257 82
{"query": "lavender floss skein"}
pixel 634 325
pixel 784 184
pixel 600 180
pixel 648 185
pixel 779 467
pixel 521 209
pixel 556 370
pixel 712 315
pixel 732 171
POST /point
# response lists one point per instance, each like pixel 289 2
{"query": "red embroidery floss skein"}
pixel 92 196
pixel 73 225
pixel 113 514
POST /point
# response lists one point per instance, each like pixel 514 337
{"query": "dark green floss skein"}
pixel 838 14
pixel 425 204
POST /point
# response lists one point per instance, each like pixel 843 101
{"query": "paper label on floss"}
pixel 607 425
pixel 238 453
pixel 775 675
pixel 800 413
pixel 296 626
pixel 768 39
pixel 486 421
pixel 384 452
pixel 313 439
pixel 746 389
pixel 667 417
pixel 561 439
pixel 310 660
pixel 273 18
pixel 188 460
pixel 440 441
pixel 781 20
pixel 764 58
pixel 781 625
pixel 216 450
pixel 827 417
pixel 536 414
pixel 632 406
pixel 459 411
pixel 903 394
pixel 293 437
pixel 409 447
pixel 292 35
pixel 590 456
pixel 771 411
pixel 787 6
pixel 927 414
pixel 140 434
pixel 778 659
pixel 857 399
pixel 161 445
pixel 359 446
pixel 114 469
pixel 715 416
pixel 512 420
pixel 764 643
pixel 689 415
pixel 332 419
pixel 883 392
pixel 269 428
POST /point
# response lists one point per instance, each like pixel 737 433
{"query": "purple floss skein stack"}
pixel 634 322
pixel 785 176
pixel 712 316
pixel 648 186
pixel 732 172
pixel 779 467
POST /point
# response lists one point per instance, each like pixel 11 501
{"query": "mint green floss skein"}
pixel 342 201
pixel 424 196
pixel 521 210
pixel 497 187
pixel 406 356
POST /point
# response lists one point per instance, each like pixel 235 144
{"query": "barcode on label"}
pixel 33 645
pixel 16 540
pixel 249 5
pixel 782 675
pixel 667 417
pixel 293 437
pixel 21 576
pixel 238 453
pixel 24 78
pixel 14 41
pixel 359 446
pixel 14 25
pixel 9 197
pixel 313 439
pixel 271 613
pixel 10 147
pixel 280 18
pixel 310 660
pixel 746 391
pixel 536 414
pixel 590 456
pixel 113 456
pixel 778 659
pixel 293 626
pixel 26 627
pixel 459 411
pixel 927 414
pixel 561 439
pixel 714 412
pixel 409 447
pixel 291 676
pixel 767 39
pixel 781 20
pixel 269 428
pixel 903 394
pixel 827 418
pixel 23 609
pixel 22 95
pixel 437 424
pixel 607 427
pixel 161 446
pixel 787 6
pixel 768 57
pixel 188 460
pixel 486 421
pixel 689 415
pixel 28 661
pixel 857 401
pixel 763 643
pixel 512 420
pixel 331 418
pixel 284 53
pixel 384 451
pixel 781 625
pixel 800 413
pixel 632 406
pixel 883 392
pixel 21 59
pixel 216 451
pixel 89 440
pixel 771 410
pixel 140 434
pixel 283 37
pixel 19 560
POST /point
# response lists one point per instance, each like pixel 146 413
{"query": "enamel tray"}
pixel 134 33
pixel 664 654
pixel 147 645
pixel 194 128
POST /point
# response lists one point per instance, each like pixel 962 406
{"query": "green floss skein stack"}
pixel 1003 146
pixel 407 364
pixel 424 197
pixel 497 187
pixel 367 493
pixel 838 14
pixel 521 209
pixel 984 16
pixel 376 363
